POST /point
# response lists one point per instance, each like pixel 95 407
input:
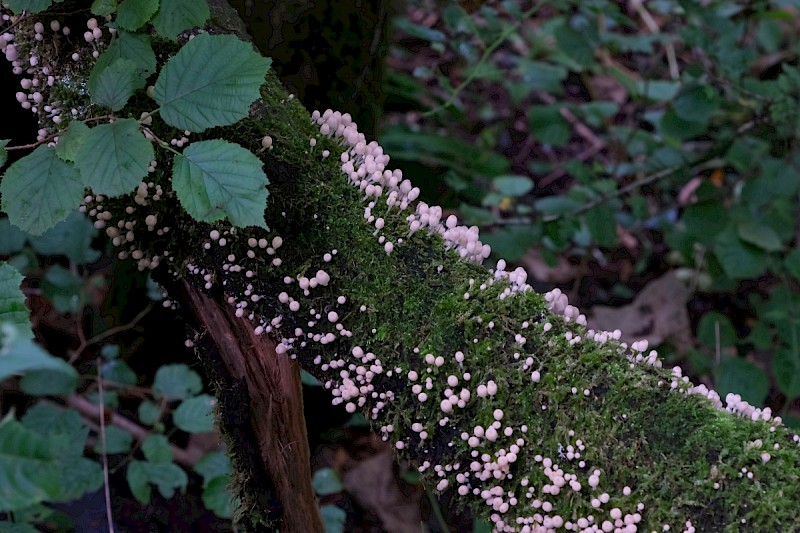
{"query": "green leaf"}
pixel 176 381
pixel 325 482
pixel 118 440
pixel 674 126
pixel 218 498
pixel 657 90
pixel 12 239
pixel 475 216
pixel 792 263
pixel 31 6
pixel 132 14
pixel 24 356
pixel 707 330
pixel 148 413
pixel 166 477
pixel 13 312
pixel 49 383
pixel 739 260
pixel 574 45
pixel 71 238
pixel 760 235
pixel 512 242
pixel 103 7
pixel 78 476
pixel 63 427
pixel 133 46
pixel 156 449
pixel 418 31
pixel 195 415
pixel 139 482
pixel 548 125
pixel 513 185
pixel 28 472
pixel 115 157
pixel 696 103
pixel 215 179
pixel 40 190
pixel 119 372
pixel 333 518
pixel 114 85
pixel 64 288
pixel 176 16
pixel 308 380
pixel 539 76
pixel 210 82
pixel 786 369
pixel 3 151
pixel 602 225
pixel 743 378
pixel 70 140
pixel 17 527
pixel 212 465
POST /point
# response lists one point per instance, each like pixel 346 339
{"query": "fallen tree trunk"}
pixel 495 392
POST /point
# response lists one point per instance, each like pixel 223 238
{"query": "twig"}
pixel 437 512
pixel 85 343
pixel 104 456
pixel 484 58
pixel 652 25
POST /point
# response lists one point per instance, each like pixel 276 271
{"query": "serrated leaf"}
pixel 23 356
pixel 119 372
pixel 115 157
pixel 71 139
pixel 71 238
pixel 118 440
pixel 3 151
pixel 214 179
pixel 12 239
pixel 166 477
pixel 176 381
pixel 27 467
pixel 114 85
pixel 218 498
pixel 325 482
pixel 195 415
pixel 13 312
pixel 132 14
pixel 156 449
pixel 136 47
pixel 212 465
pixel 31 6
pixel 48 383
pixel 148 413
pixel 176 16
pixel 78 476
pixel 103 7
pixel 738 259
pixel 210 82
pixel 139 482
pixel 40 190
pixel 63 427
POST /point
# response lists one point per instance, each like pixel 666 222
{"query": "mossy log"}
pixel 550 427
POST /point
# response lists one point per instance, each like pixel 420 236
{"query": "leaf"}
pixel 27 468
pixel 133 46
pixel 166 477
pixel 739 260
pixel 418 31
pixel 696 103
pixel 786 369
pixel 103 7
pixel 70 140
pixel 743 378
pixel 132 14
pixel 539 76
pixel 602 225
pixel 218 498
pixel 147 413
pixel 63 427
pixel 23 356
pixel 513 185
pixel 210 82
pixel 40 190
pixel 119 372
pixel 325 482
pixel 212 465
pixel 308 380
pixel 31 6
pixel 139 482
pixel 195 415
pixel 176 381
pixel 574 45
pixel 792 263
pixel 115 157
pixel 64 288
pixel 512 242
pixel 333 518
pixel 3 151
pixel 12 239
pixel 78 476
pixel 71 238
pixel 707 330
pixel 118 440
pixel 49 383
pixel 657 90
pixel 760 235
pixel 548 125
pixel 214 179
pixel 13 312
pixel 176 16
pixel 114 85
pixel 156 449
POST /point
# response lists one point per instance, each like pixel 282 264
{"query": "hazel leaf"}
pixel 114 157
pixel 40 190
pixel 217 179
pixel 132 14
pixel 71 140
pixel 176 16
pixel 126 45
pixel 210 82
pixel 114 85
pixel 103 7
pixel 3 151
pixel 31 6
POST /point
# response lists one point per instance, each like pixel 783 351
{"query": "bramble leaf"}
pixel 195 415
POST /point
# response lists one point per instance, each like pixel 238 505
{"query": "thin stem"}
pixel 85 343
pixel 484 58
pixel 104 456
pixel 437 511
pixel 161 143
